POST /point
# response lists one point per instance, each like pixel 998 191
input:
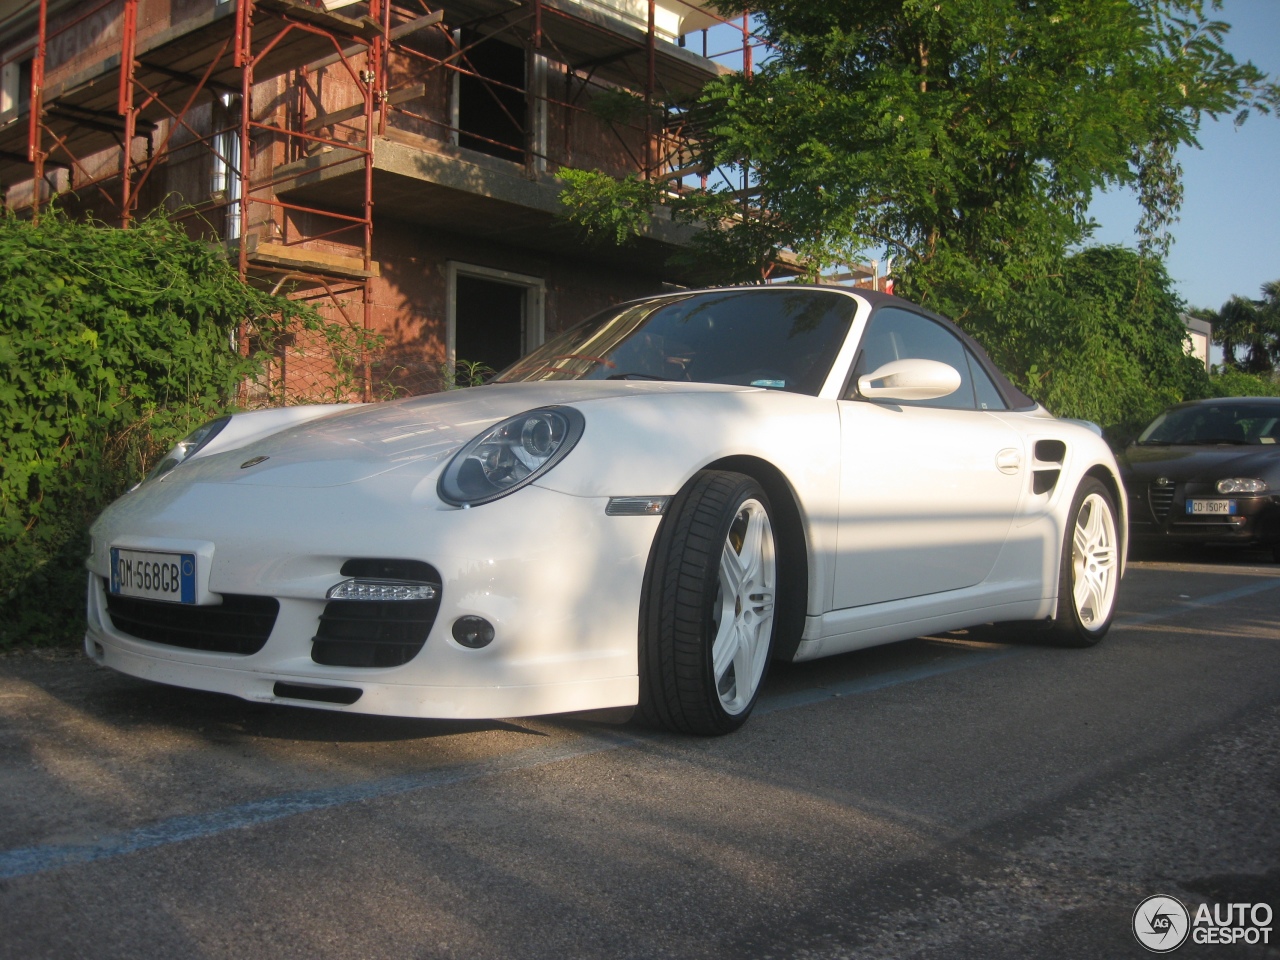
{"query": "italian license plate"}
pixel 1199 508
pixel 153 576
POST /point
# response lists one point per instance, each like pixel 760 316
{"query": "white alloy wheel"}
pixel 743 613
pixel 1093 560
pixel 1090 567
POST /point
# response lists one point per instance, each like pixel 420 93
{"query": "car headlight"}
pixel 510 455
pixel 189 446
pixel 1241 485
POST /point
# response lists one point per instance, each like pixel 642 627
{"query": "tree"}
pixel 1112 349
pixel 968 136
pixel 1248 330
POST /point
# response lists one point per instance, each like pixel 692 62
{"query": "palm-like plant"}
pixel 1249 330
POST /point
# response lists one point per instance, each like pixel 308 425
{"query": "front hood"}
pixel 1182 463
pixel 365 441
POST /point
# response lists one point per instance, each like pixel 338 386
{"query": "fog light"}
pixel 357 589
pixel 473 632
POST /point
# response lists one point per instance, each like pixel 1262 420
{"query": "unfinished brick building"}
pixel 393 163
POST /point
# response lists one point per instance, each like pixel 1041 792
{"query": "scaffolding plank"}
pixel 305 259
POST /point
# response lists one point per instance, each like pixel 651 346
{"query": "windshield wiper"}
pixel 1215 441
pixel 634 376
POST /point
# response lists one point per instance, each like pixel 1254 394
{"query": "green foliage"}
pixel 1109 345
pixel 1236 383
pixel 615 105
pixel 968 136
pixel 464 373
pixel 605 208
pixel 113 345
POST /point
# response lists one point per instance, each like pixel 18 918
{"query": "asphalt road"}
pixel 957 797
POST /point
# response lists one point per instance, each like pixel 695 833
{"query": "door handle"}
pixel 1009 460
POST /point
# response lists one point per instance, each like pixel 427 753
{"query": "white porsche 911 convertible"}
pixel 642 513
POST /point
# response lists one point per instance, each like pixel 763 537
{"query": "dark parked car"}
pixel 1207 472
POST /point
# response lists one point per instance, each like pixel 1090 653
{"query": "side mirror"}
pixel 910 380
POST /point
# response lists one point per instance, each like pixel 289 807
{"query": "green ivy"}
pixel 114 344
pixel 605 208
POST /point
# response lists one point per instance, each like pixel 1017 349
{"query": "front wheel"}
pixel 707 623
pixel 1090 568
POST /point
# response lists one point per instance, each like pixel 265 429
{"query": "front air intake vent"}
pixel 240 624
pixel 318 693
pixel 1161 500
pixel 375 568
pixel 377 633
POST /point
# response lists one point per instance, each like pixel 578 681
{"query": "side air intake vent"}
pixel 1050 451
pixel 1047 467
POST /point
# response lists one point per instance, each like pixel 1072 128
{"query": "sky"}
pixel 1228 241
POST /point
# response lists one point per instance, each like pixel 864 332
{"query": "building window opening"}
pixel 490 97
pixel 15 86
pixel 224 186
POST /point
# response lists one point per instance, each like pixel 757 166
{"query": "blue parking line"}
pixel 1212 600
pixel 25 861
pixel 852 688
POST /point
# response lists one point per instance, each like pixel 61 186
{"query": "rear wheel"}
pixel 707 623
pixel 1090 568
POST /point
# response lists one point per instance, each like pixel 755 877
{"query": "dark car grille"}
pixel 241 624
pixel 1161 499
pixel 373 633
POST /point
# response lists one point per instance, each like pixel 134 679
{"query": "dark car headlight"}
pixel 1242 485
pixel 510 455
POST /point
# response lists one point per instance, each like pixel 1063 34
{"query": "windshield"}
pixel 1226 422
pixel 771 338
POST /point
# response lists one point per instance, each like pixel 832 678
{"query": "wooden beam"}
pixel 317 261
pixel 404 30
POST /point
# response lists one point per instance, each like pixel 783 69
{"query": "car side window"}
pixel 896 334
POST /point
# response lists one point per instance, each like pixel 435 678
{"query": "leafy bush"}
pixel 1237 383
pixel 605 208
pixel 113 345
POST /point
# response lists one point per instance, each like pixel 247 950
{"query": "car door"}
pixel 928 488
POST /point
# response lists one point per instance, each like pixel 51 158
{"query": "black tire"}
pixel 685 604
pixel 1090 550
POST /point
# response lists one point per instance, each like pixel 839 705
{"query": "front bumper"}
pixel 559 580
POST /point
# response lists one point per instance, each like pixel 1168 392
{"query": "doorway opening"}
pixel 495 317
